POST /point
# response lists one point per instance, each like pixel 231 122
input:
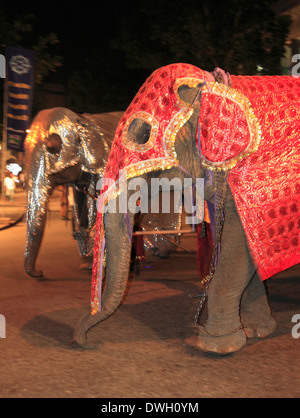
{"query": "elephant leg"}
pixel 256 314
pixel 223 331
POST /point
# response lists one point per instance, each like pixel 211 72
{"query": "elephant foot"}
pixel 222 344
pixel 34 273
pixel 259 327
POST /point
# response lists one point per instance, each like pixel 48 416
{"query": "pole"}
pixel 164 231
pixel 4 139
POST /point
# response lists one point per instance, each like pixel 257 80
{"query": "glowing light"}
pixel 14 168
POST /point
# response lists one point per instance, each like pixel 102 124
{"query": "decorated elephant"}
pixel 61 148
pixel 240 134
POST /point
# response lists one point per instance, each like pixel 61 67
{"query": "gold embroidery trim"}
pixel 252 121
pixel 153 134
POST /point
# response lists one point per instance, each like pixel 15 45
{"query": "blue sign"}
pixel 19 92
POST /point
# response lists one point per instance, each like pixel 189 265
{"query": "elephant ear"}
pixel 93 148
pixel 229 128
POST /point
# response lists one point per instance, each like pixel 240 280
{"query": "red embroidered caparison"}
pixel 251 129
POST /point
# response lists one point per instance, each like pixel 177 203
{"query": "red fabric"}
pixel 265 175
pixel 157 99
pixel 266 185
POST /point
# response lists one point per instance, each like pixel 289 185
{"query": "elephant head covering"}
pixel 157 103
pixel 249 128
pixel 79 141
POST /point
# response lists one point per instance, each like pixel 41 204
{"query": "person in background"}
pixel 9 187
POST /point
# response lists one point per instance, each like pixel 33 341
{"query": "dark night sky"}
pixel 80 26
pixel 68 19
pixel 158 33
pixel 84 31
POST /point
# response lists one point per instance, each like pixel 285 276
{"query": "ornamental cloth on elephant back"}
pixel 265 184
pixel 230 138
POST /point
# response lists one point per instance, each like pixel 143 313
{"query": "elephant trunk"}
pixel 118 251
pixel 39 189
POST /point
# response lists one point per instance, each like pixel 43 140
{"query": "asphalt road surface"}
pixel 139 352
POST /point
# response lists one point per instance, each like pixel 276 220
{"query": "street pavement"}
pixel 12 212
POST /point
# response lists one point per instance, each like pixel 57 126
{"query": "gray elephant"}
pixel 239 135
pixel 61 148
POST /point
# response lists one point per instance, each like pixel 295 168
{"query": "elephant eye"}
pixel 54 144
pixel 139 132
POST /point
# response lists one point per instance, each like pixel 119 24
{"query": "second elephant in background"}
pixel 62 148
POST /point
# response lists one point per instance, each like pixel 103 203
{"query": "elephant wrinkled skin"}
pixel 64 148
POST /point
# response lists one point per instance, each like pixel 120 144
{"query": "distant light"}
pixel 28 131
pixel 259 68
pixel 14 168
